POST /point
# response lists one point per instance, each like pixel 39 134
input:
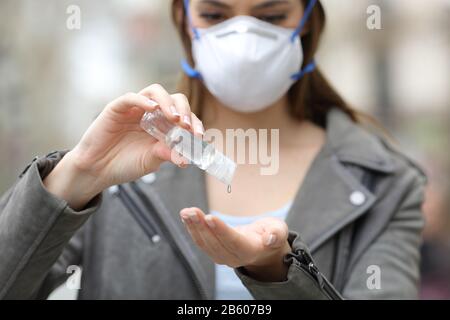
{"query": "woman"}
pixel 341 218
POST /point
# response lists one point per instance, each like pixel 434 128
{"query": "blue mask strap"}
pixel 310 67
pixel 190 72
pixel 188 14
pixel 305 18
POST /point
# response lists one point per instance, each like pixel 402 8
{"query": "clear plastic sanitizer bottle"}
pixel 197 151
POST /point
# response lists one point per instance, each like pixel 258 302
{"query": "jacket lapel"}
pixel 331 197
pixel 323 204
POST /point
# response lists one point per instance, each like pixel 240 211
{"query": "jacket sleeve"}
pixel 394 257
pixel 304 281
pixel 35 230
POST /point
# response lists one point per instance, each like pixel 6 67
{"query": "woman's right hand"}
pixel 115 149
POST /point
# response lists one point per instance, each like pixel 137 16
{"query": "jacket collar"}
pixel 323 205
pixel 354 144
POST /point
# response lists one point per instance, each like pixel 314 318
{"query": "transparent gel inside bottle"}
pixel 197 151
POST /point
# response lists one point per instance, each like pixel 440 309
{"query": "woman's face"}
pixel 283 13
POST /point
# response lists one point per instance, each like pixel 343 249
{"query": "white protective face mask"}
pixel 246 63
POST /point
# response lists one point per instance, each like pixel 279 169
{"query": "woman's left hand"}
pixel 258 247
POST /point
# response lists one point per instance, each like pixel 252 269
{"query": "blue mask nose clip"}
pixel 310 67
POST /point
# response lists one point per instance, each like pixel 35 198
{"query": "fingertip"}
pixel 270 239
pixel 145 103
pixel 174 112
pixel 151 103
pixel 185 211
pixel 183 165
pixel 185 122
pixel 273 238
pixel 184 218
pixel 170 115
pixel 182 213
pixel 210 221
pixel 191 210
pixel 178 160
pixel 197 126
pixel 200 129
pixel 198 211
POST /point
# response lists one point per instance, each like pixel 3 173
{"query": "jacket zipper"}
pixel 138 215
pixel 169 236
pixel 308 265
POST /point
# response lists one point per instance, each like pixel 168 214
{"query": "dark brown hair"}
pixel 310 98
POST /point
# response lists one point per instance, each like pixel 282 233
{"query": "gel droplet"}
pixel 229 188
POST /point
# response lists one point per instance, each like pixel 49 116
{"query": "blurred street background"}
pixel 53 82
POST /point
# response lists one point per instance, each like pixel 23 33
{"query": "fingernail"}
pixel 271 240
pixel 187 120
pixel 200 129
pixel 152 103
pixel 184 219
pixel 193 217
pixel 182 165
pixel 174 111
pixel 210 222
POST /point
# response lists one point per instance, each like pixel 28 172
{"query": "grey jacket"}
pixel 358 214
